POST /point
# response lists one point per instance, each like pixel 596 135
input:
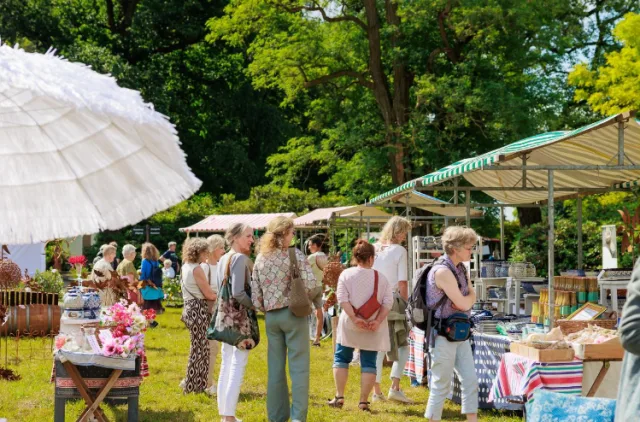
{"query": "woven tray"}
pixel 569 327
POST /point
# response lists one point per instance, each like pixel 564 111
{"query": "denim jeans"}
pixel 344 355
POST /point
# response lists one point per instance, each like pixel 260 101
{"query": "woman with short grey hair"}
pixel 450 292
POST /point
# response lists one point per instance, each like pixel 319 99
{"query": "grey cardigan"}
pixel 628 402
pixel 240 273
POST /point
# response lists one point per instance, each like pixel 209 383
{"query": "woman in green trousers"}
pixel 287 334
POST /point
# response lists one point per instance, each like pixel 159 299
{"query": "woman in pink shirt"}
pixel 371 335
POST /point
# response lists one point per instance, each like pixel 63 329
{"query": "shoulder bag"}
pixel 372 305
pixel 299 302
pixel 232 322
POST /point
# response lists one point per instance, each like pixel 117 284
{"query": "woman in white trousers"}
pixel 234 360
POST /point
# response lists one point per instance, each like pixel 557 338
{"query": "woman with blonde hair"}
pixel 195 315
pixel 391 261
pixel 151 278
pixel 450 292
pixel 286 333
pixel 239 238
pixel 101 272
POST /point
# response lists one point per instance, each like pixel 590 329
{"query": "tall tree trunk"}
pixel 529 216
pixel 393 108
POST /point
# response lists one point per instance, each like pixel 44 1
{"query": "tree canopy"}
pixel 613 87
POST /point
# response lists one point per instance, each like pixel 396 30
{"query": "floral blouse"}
pixel 271 279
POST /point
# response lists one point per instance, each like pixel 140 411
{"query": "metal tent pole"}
pixel 502 256
pixel 550 216
pixel 467 204
pixel 579 226
pixel 621 143
pixel 409 246
pixel 368 228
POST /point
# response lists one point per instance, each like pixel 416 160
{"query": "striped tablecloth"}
pixel 518 376
pixel 415 364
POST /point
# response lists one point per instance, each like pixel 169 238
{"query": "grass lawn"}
pixel 31 398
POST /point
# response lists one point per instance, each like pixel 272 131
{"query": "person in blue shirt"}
pixel 173 256
pixel 151 279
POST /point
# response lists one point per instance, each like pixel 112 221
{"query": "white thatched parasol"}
pixel 78 153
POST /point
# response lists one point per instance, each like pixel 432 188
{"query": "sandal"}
pixel 337 402
pixel 364 406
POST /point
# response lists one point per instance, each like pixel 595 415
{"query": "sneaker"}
pixel 414 382
pixel 398 395
pixel 183 384
pixel 212 391
pixel 378 397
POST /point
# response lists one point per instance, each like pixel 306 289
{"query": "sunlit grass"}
pixel 31 398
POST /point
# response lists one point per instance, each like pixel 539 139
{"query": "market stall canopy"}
pixel 594 145
pixel 322 216
pixel 78 153
pixel 220 223
pixel 429 203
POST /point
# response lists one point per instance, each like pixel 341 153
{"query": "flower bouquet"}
pixel 127 324
pixel 78 261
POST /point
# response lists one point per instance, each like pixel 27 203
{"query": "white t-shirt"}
pixel 391 261
pixel 211 272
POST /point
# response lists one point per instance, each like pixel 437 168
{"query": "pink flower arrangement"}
pixel 78 260
pixel 128 325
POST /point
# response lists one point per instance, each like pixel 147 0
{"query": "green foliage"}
pixel 173 290
pixel 49 281
pixel 270 198
pixel 613 87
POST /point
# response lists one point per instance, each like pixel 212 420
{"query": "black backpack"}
pixel 418 313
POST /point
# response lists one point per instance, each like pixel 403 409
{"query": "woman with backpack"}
pixel 287 334
pixel 151 279
pixel 451 295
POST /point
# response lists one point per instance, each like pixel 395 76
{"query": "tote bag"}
pixel 232 322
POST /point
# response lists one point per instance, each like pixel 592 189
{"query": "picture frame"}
pixel 587 312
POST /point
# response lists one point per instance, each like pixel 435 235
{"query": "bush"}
pixel 49 281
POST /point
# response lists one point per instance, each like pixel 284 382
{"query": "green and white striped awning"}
pixel 594 144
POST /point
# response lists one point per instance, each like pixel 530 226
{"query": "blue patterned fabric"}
pixel 548 406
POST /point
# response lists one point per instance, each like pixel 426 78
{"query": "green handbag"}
pixel 232 322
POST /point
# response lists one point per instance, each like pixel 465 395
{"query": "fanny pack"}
pixel 455 328
pixel 372 305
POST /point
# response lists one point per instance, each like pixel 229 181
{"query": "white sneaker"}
pixel 398 395
pixel 378 397
pixel 212 391
pixel 183 384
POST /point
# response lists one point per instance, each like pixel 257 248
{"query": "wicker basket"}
pixel 568 326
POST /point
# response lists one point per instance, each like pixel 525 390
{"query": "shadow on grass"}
pixel 157 349
pixel 252 395
pixel 151 415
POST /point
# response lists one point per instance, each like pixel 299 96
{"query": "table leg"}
pixel 132 409
pixel 517 298
pixel 603 296
pixel 101 394
pixel 614 299
pixel 83 390
pixel 596 384
pixel 58 413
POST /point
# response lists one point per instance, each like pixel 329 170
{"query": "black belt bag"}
pixel 455 328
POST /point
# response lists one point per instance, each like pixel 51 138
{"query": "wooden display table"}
pixel 112 379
